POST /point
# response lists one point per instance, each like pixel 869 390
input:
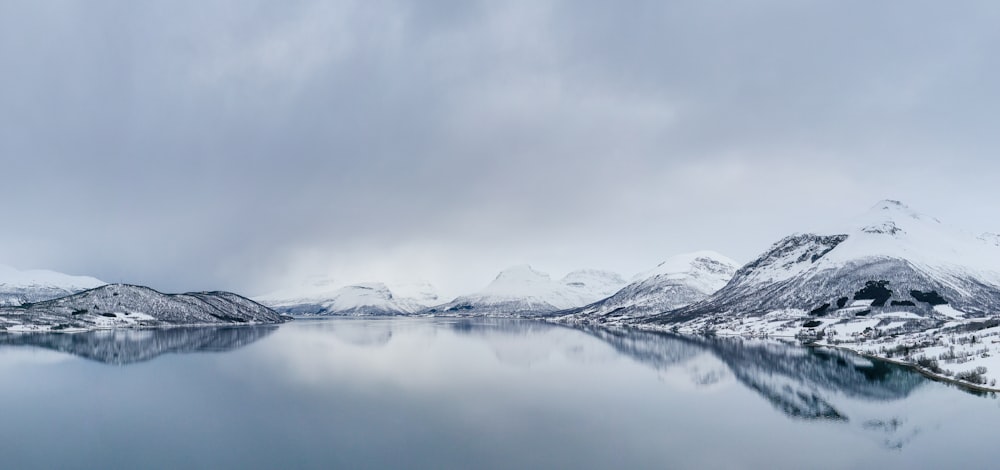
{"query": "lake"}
pixel 470 393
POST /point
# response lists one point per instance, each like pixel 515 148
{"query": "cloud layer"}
pixel 245 144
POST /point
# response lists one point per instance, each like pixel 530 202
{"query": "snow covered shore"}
pixel 964 351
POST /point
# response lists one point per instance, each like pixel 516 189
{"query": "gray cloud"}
pixel 243 144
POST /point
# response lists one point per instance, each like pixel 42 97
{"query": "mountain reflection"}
pixel 505 326
pixel 799 381
pixel 803 383
pixel 506 337
pixel 125 346
pixel 363 332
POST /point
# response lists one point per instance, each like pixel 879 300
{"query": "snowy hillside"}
pixel 119 305
pixel 18 287
pixel 521 290
pixel 890 258
pixel 421 292
pixel 372 298
pixel 676 282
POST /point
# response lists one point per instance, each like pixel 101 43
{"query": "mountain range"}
pixel 320 296
pixel 674 283
pixel 523 291
pixel 891 258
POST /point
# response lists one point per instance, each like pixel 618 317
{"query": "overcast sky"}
pixel 245 144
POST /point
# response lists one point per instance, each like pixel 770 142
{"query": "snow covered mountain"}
pixel 421 292
pixel 890 258
pixel 120 305
pixel 18 287
pixel 521 290
pixel 373 298
pixel 676 282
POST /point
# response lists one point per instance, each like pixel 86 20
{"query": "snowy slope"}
pixel 120 305
pixel 676 282
pixel 521 290
pixel 889 258
pixel 18 287
pixel 420 292
pixel 990 238
pixel 373 298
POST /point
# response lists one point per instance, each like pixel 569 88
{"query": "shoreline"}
pixel 966 386
pixel 916 368
pixel 70 331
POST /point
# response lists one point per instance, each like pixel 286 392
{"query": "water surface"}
pixel 453 393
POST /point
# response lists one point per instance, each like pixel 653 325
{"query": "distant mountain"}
pixel 120 305
pixel 891 258
pixel 373 298
pixel 18 287
pixel 421 292
pixel 674 283
pixel 521 290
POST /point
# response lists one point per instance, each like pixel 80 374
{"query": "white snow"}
pixel 905 315
pixel 40 284
pixel 959 346
pixel 401 298
pixel 990 238
pixel 11 277
pixel 893 230
pixel 676 282
pixel 689 267
pixel 846 330
pixel 948 311
pixel 522 290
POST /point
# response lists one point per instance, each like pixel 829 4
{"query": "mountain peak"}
pixel 590 282
pixel 687 263
pixel 520 290
pixel 890 204
pixel 521 273
pixel 377 290
pixel 890 209
pixel 676 282
pixel 319 296
pixel 894 219
pixel 17 287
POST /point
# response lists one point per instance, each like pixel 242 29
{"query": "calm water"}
pixel 438 393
